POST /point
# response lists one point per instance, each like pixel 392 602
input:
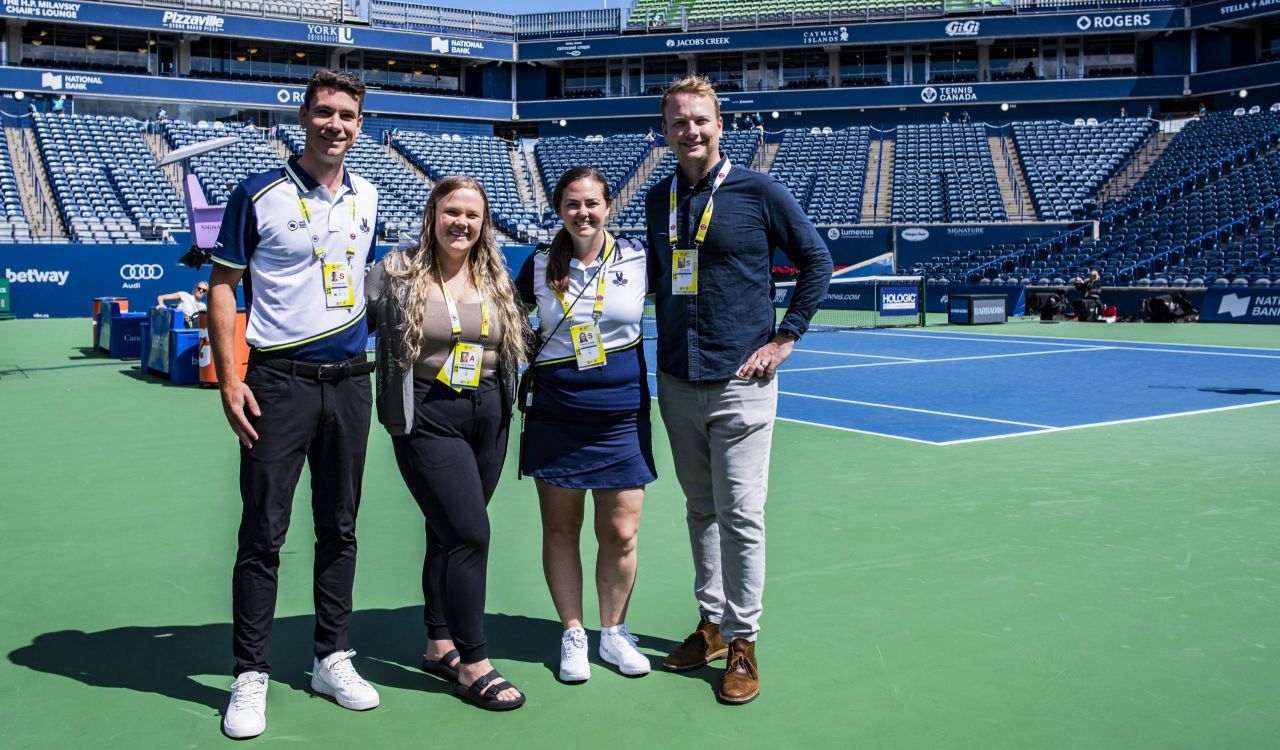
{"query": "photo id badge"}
pixel 338 291
pixel 684 271
pixel 462 368
pixel 586 345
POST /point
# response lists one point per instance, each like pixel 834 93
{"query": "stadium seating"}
pixel 1218 231
pixel 616 156
pixel 1066 165
pixel 306 10
pixel 402 195
pixel 944 173
pixel 13 222
pixel 825 171
pixel 484 158
pixel 430 17
pixel 105 179
pixel 739 145
pixel 220 171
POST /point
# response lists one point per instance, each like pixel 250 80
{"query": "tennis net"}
pixel 865 302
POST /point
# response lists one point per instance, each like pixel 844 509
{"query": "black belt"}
pixel 322 372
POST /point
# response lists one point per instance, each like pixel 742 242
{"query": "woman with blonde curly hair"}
pixel 450 342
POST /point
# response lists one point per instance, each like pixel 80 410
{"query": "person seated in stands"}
pixel 161 114
pixel 189 304
pixel 1091 290
pixel 964 117
pixel 1203 110
pixel 946 118
pixel 1124 112
pixel 59 104
pixel 1150 111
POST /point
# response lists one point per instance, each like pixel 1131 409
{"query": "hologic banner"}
pixel 256 95
pixel 1028 25
pixel 1236 305
pixel 60 281
pixel 203 22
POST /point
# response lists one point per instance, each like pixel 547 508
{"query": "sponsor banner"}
pixel 899 300
pixel 244 27
pixel 945 297
pixel 921 243
pixel 1229 10
pixel 1146 87
pixel 1030 24
pixel 240 94
pixel 61 281
pixel 1236 305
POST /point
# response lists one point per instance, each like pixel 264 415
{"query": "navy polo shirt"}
pixel 706 337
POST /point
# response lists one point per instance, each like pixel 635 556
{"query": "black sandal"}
pixel 476 693
pixel 446 667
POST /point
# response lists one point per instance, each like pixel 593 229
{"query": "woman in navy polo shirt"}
pixel 587 426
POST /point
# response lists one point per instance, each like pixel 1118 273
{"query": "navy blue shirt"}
pixel 706 337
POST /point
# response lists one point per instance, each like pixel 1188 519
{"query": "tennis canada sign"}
pixel 945 94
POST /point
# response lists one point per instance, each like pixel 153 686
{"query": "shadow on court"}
pixel 167 660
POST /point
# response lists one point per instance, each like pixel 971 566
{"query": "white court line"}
pixel 1011 338
pixel 912 409
pixel 860 432
pixel 855 354
pixel 1107 424
pixel 946 359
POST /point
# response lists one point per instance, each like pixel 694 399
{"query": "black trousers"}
pixel 327 425
pixel 451 462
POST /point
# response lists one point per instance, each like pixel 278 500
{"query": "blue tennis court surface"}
pixel 945 388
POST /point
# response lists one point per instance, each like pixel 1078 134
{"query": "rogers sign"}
pixel 1120 21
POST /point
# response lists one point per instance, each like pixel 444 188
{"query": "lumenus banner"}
pixel 1029 25
pixel 238 94
pixel 1236 305
pixel 245 27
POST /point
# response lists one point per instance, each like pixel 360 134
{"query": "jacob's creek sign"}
pixel 697 41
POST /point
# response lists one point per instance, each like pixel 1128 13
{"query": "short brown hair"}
pixel 325 78
pixel 699 85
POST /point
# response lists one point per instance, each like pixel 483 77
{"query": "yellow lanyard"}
pixel 315 238
pixel 598 309
pixel 455 322
pixel 673 235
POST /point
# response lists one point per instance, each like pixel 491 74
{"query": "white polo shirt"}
pixel 265 232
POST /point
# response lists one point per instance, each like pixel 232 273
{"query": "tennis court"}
pixel 1109 587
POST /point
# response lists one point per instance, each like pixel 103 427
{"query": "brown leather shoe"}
pixel 741 678
pixel 702 645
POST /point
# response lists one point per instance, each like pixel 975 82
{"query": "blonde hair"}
pixel 698 85
pixel 415 271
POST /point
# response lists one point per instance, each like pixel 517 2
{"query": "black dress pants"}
pixel 325 423
pixel 451 462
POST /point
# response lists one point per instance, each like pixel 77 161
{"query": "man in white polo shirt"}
pixel 303 233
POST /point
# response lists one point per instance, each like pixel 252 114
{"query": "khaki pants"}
pixel 720 437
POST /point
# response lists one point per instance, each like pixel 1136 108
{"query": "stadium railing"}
pixel 302 10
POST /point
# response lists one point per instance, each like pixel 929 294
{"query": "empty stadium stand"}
pixel 220 171
pixel 826 171
pixel 944 173
pixel 105 179
pixel 1066 165
pixel 13 222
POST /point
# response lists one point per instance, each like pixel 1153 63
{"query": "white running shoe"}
pixel 618 647
pixel 335 676
pixel 246 715
pixel 574 666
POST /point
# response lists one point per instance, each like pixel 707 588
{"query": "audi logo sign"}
pixel 141 271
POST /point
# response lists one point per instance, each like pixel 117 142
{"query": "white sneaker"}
pixel 246 715
pixel 618 647
pixel 574 666
pixel 335 676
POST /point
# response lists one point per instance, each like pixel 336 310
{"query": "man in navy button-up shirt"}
pixel 718 348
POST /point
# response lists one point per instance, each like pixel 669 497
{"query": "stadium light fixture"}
pixel 19 95
pixel 241 58
pixel 1004 106
pixel 775 114
pixel 299 54
pixel 91 45
pixel 96 37
pixel 563 123
pixel 253 50
pixel 36 42
pixel 1244 93
pixel 390 63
